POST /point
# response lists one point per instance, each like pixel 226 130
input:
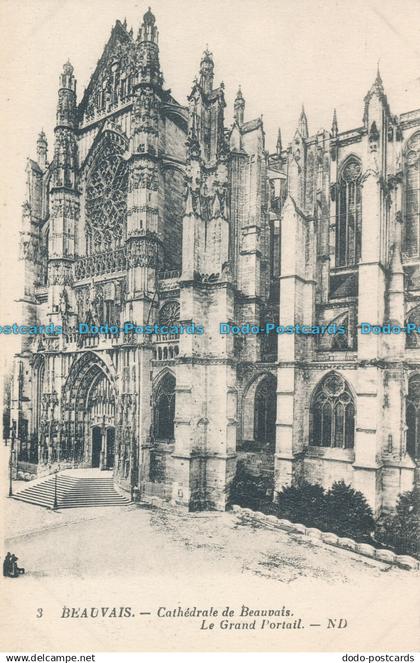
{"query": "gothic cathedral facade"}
pixel 153 211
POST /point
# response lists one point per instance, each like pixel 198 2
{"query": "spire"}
pixel 42 150
pixel 207 71
pixel 239 107
pixel 279 146
pixel 334 126
pixel 303 123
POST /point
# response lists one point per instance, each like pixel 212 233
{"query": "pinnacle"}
pixel 378 79
pixel 334 126
pixel 279 142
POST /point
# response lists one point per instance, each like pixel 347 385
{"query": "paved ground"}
pixel 151 557
pixel 152 539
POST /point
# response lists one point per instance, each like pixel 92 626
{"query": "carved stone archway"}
pixel 89 406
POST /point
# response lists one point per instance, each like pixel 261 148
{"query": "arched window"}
pixel 332 414
pixel 349 215
pixel 412 196
pixel 165 409
pixel 412 416
pixel 265 413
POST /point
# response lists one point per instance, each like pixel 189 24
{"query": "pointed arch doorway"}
pixel 90 413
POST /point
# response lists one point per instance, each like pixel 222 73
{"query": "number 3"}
pixel 39 612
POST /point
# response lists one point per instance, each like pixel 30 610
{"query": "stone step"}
pixel 73 492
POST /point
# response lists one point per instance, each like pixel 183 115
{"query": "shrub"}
pixel 341 510
pixel 347 512
pixel 250 490
pixel 303 503
pixel 401 530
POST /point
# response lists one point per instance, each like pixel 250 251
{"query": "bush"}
pixel 251 491
pixel 303 503
pixel 347 512
pixel 341 510
pixel 401 530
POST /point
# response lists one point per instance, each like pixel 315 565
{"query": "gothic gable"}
pixel 111 83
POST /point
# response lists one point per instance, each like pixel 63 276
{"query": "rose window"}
pixel 106 204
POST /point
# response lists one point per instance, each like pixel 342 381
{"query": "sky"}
pixel 323 53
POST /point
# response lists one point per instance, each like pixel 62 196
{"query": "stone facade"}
pixel 155 212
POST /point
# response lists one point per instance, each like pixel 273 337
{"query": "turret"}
pixel 148 31
pixel 64 203
pixel 206 72
pixel 42 150
pixel 143 227
pixel 66 107
pixel 206 113
pixel 239 107
pixel 65 148
pixel 303 123
pixel 148 50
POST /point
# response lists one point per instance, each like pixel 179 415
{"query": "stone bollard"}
pixel 345 542
pixel 407 562
pixel 385 556
pixel 313 532
pixel 365 549
pixel 329 537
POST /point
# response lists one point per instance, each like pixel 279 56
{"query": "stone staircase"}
pixel 73 492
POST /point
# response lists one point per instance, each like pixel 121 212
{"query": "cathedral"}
pixel 152 211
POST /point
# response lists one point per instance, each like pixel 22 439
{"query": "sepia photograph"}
pixel 210 327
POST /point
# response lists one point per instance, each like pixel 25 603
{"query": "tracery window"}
pixel 106 202
pixel 349 215
pixel 332 414
pixel 165 408
pixel 169 313
pixel 265 413
pixel 412 417
pixel 412 196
